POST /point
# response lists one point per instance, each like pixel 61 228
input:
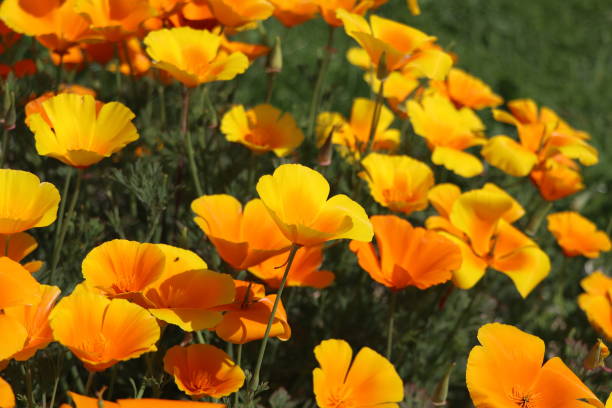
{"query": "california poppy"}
pixel 17 286
pixel 262 128
pixel 193 56
pixel 467 90
pixel 400 183
pixel 557 177
pixel 203 370
pixel 304 269
pixel 330 8
pixel 82 401
pixel 352 136
pixel 577 235
pixel 7 397
pixel 369 380
pixel 294 12
pixel 449 132
pixel 597 302
pixel 115 20
pixel 296 198
pixel 506 370
pixel 236 13
pixel 242 237
pixel 17 247
pixel 25 202
pixel 81 131
pixel 246 318
pixel 109 330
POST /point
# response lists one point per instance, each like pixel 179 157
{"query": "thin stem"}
pixel 58 376
pixel 28 380
pixel 375 116
pixel 59 73
pixel 188 144
pixel 262 348
pixel 61 235
pixel 113 380
pixel 238 363
pixel 318 90
pixel 89 382
pixel 392 304
pixel 199 337
pixel 537 217
pixel 5 140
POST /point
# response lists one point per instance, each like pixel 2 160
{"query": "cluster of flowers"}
pixel 132 290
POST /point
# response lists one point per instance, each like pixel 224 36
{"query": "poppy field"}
pixel 305 203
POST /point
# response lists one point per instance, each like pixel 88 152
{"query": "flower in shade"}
pixel 25 202
pixel 506 371
pixel 17 247
pixel 188 293
pixel 262 129
pixel 7 397
pixel 353 136
pixel 242 237
pixel 399 183
pixel 304 269
pixel 193 56
pixel 236 13
pixel 577 235
pixel 597 302
pixel 369 380
pixel 115 20
pixel 330 8
pixel 203 370
pixel 34 320
pixel 246 318
pixel 297 199
pixel 449 132
pixel 82 401
pixel 81 131
pixel 480 223
pixel 407 255
pixel 109 330
pixel 467 90
pixel 294 12
pixel 399 46
pixel 122 268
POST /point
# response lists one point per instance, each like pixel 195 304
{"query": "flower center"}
pixel 524 399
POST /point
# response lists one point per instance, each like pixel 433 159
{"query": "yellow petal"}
pixel 509 156
pixel 460 162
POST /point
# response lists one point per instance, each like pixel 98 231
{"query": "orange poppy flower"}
pixel 35 105
pixel 262 129
pixel 401 46
pixel 467 90
pixel 25 202
pixel 246 318
pixel 242 237
pixel 353 136
pixel 577 235
pixel 56 24
pixel 399 183
pixel 506 370
pixel 296 198
pixel 193 56
pixel 187 293
pixel 122 268
pixel 409 256
pixel 115 19
pixel 17 286
pixel 133 59
pixel 109 330
pixel 236 13
pixel 557 178
pixel 81 401
pixel 597 302
pixel 448 132
pixel 304 269
pixel 34 319
pixel 329 8
pixel 17 247
pixel 294 12
pixel 7 397
pixel 252 51
pixel 480 223
pixel 369 380
pixel 203 370
pixel 81 131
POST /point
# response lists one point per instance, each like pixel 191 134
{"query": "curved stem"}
pixel 316 96
pixel 188 144
pixel 89 382
pixel 392 304
pixel 262 349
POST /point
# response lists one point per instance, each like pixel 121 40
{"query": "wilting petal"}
pixel 509 156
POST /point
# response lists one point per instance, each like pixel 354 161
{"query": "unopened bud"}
pixel 441 392
pixel 596 356
pixel 276 57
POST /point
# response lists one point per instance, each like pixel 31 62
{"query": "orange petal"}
pixel 17 286
pixel 7 397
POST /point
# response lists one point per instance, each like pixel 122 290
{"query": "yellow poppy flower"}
pixel 296 198
pixel 577 235
pixel 25 202
pixel 81 401
pixel 448 132
pixel 523 381
pixel 81 131
pixel 203 370
pixel 397 182
pixel 193 56
pixel 262 129
pixel 369 380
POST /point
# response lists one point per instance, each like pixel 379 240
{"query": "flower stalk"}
pixel 188 143
pixel 318 90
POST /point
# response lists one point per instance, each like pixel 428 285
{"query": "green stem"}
pixel 318 90
pixel 392 304
pixel 58 376
pixel 238 363
pixel 537 217
pixel 59 72
pixel 375 117
pixel 5 140
pixel 60 237
pixel 188 144
pixel 200 337
pixel 113 380
pixel 28 380
pixel 89 382
pixel 262 348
